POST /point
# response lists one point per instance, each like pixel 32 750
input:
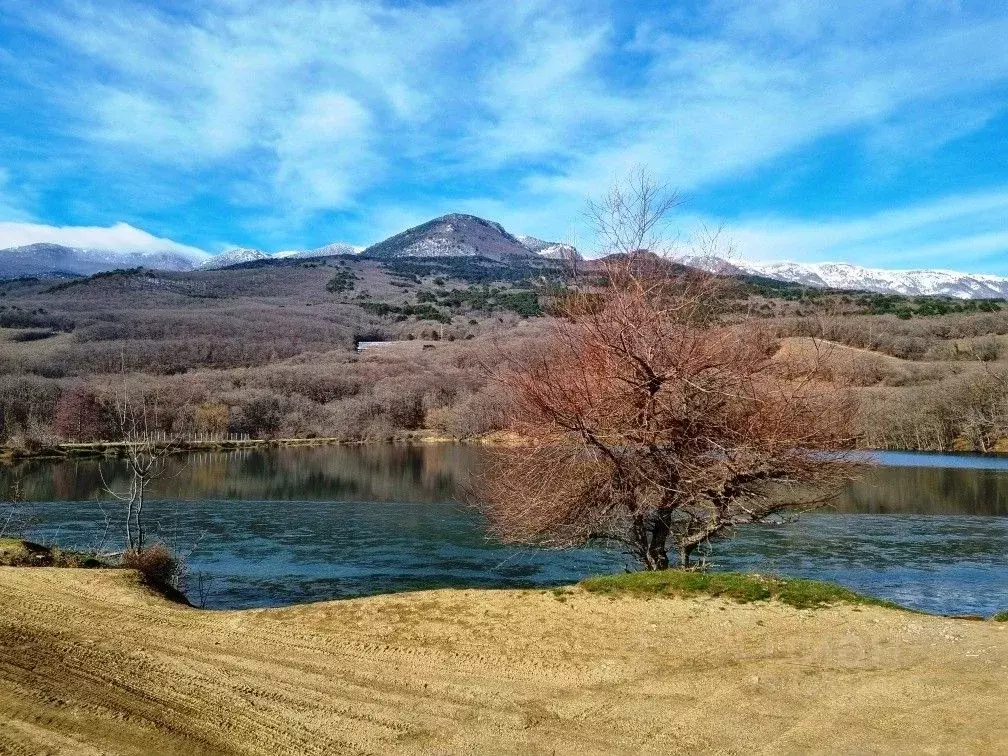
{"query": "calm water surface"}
pixel 274 527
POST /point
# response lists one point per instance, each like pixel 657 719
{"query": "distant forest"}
pixel 269 349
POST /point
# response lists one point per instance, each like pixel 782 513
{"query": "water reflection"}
pixel 976 486
pixel 281 526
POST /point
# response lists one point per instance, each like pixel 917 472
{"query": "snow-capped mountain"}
pixel 45 259
pixel 455 235
pixel 336 248
pixel 549 250
pixel 235 256
pixel 847 276
pixel 532 243
pixel 243 255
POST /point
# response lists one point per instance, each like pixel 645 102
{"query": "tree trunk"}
pixel 129 520
pixel 657 553
pixel 684 555
pixel 139 510
pixel 639 539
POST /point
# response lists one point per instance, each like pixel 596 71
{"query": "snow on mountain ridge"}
pixel 335 248
pixel 920 282
pixel 452 235
pixel 235 256
pixel 549 250
pixel 44 258
pixel 241 255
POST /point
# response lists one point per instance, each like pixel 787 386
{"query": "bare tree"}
pixel 79 415
pixel 144 448
pixel 632 216
pixel 13 517
pixel 650 422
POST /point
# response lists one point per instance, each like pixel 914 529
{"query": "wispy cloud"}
pixel 968 233
pixel 310 120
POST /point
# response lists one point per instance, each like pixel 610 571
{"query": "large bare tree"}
pixel 649 420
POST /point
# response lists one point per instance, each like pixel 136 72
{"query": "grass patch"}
pixel 740 587
pixel 1001 616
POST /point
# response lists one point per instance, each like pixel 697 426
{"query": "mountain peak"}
pixel 452 235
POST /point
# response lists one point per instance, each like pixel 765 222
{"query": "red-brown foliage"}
pixel 648 421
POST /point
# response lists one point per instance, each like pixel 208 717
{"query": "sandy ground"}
pixel 91 662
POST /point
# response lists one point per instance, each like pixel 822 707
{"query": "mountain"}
pixel 455 235
pixel 533 244
pixel 233 257
pixel 242 255
pixel 56 259
pixel 336 248
pixel 549 250
pixel 911 282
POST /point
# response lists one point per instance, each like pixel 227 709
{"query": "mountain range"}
pixel 57 260
pixel 846 276
pixel 461 235
pixel 241 255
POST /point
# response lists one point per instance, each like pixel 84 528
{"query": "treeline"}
pixel 967 413
pixel 334 395
pixel 924 339
pixel 269 351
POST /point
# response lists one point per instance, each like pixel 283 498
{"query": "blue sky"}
pixel 872 132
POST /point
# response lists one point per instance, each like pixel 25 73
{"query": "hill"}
pixel 455 235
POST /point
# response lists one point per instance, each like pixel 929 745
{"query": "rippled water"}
pixel 273 527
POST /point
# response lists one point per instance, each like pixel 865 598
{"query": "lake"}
pixel 271 527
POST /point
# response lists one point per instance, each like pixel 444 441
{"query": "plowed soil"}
pixel 92 662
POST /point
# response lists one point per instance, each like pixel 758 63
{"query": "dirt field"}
pixel 91 662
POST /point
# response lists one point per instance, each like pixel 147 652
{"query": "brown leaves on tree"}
pixel 649 421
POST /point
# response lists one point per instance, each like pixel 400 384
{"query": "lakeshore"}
pixel 92 661
pixel 97 449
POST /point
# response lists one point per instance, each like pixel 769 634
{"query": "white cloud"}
pixel 967 232
pixel 325 153
pixel 524 108
pixel 245 87
pixel 120 237
pixel 720 105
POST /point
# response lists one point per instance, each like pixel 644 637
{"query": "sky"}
pixel 866 132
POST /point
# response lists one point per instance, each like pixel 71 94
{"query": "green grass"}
pixel 740 587
pixel 1001 616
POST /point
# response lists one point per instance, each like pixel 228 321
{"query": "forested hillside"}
pixel 269 349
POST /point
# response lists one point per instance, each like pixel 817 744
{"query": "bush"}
pixel 159 566
pixel 987 350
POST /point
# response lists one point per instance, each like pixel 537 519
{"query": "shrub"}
pixel 159 566
pixel 342 282
pixel 987 350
